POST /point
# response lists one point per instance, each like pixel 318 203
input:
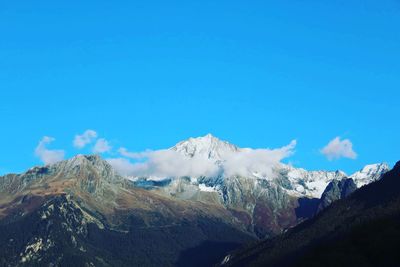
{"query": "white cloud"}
pixel 163 163
pixel 101 146
pixel 337 149
pixel 133 155
pixel 46 155
pixel 122 165
pixel 80 141
pixel 170 163
pixel 262 161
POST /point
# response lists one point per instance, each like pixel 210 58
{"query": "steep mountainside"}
pixel 337 189
pixel 360 230
pixel 369 174
pixel 81 212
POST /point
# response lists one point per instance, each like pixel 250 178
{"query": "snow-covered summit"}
pixel 307 183
pixel 295 181
pixel 369 173
pixel 208 147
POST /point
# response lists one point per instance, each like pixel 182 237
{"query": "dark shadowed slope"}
pixel 361 230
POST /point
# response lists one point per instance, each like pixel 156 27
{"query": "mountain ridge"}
pixel 79 211
pixel 236 209
pixel 300 182
pixel 264 206
pixel 359 230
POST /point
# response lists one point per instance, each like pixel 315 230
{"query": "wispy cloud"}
pixel 133 155
pixel 170 163
pixel 81 140
pixel 262 161
pixel 123 166
pixel 101 146
pixel 165 163
pixel 48 156
pixel 338 148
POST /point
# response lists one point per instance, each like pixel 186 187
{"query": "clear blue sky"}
pixel 147 74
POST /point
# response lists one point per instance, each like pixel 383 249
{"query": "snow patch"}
pixel 206 188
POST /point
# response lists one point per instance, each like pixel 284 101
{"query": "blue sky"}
pixel 147 75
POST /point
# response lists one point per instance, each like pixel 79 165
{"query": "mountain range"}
pixel 266 204
pixel 83 211
pixel 362 229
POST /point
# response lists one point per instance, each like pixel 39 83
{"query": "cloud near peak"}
pixel 81 140
pixel 101 146
pixel 262 161
pixel 48 156
pixel 338 148
pixel 170 163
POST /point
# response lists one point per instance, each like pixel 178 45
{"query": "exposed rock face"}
pixel 63 232
pixel 80 212
pixel 336 190
pixel 91 170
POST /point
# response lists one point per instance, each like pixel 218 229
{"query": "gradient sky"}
pixel 149 74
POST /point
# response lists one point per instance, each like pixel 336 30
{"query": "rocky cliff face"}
pixel 336 189
pixel 64 231
pixel 91 170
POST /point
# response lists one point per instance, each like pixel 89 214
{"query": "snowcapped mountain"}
pixel 86 194
pixel 369 173
pixel 264 202
pixel 305 183
pixel 267 202
pixel 297 182
pixel 206 147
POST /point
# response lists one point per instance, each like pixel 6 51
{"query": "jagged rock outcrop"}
pixel 336 190
pixel 90 168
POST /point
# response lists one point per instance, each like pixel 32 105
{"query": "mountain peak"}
pixel 370 173
pixel 93 159
pixel 91 171
pixel 84 167
pixel 206 138
pixel 209 135
pixel 374 167
pixel 208 146
pixel 81 160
